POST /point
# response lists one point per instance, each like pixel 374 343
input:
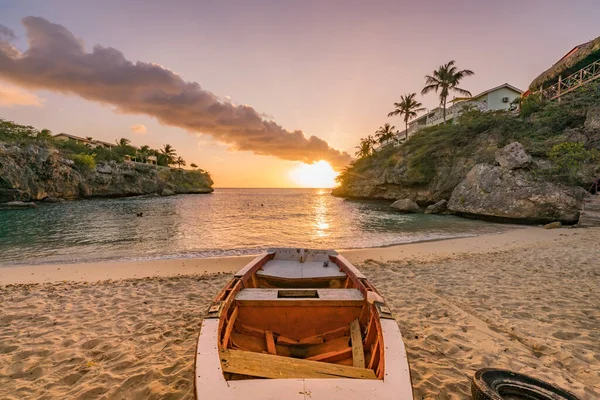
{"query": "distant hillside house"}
pixel 497 98
pixel 91 143
pixel 152 160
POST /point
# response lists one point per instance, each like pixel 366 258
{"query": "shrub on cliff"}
pixel 572 159
pixel 85 163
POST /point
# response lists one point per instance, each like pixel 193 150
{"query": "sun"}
pixel 315 175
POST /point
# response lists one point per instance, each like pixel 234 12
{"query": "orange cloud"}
pixel 57 60
pixel 139 128
pixel 15 97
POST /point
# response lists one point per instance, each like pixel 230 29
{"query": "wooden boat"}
pixel 300 324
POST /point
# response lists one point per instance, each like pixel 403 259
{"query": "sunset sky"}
pixel 331 69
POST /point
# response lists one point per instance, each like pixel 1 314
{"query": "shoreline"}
pixel 125 269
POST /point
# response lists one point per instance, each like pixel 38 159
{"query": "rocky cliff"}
pixel 547 157
pixel 36 172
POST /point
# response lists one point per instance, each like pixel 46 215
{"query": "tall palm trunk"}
pixel 444 111
pixel 406 130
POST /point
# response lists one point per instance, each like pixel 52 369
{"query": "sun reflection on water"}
pixel 321 213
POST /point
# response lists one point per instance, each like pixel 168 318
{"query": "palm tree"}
pixel 409 107
pixel 123 142
pixel 193 165
pixel 169 152
pixel 143 153
pixel 180 161
pixel 444 79
pixel 366 147
pixel 385 133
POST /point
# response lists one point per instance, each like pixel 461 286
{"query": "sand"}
pixel 527 300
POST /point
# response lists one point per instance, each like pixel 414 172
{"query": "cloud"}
pixel 56 60
pixel 12 96
pixel 139 128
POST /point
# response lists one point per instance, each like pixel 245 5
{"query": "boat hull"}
pixel 231 356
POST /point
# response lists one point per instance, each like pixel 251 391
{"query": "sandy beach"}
pixel 525 300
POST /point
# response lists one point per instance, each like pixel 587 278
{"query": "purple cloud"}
pixel 56 60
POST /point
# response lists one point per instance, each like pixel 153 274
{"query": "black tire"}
pixel 497 384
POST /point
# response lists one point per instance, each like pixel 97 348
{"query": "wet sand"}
pixel 527 300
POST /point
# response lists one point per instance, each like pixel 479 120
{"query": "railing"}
pixel 571 82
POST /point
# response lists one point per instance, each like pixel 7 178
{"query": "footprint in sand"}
pixel 566 335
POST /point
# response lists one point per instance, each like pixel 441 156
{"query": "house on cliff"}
pixel 497 98
pixel 85 141
pixel 578 67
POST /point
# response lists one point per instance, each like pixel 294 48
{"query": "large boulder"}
pixel 515 195
pixel 405 205
pixel 441 207
pixel 513 156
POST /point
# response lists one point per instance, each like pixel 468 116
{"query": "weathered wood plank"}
pixel 327 336
pixel 250 331
pixel 332 356
pixel 254 344
pixel 229 327
pixel 286 340
pixel 374 355
pixel 277 367
pixel 358 353
pixel 270 342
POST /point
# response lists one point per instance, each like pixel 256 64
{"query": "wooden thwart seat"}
pixel 287 269
pixel 278 367
pixel 299 297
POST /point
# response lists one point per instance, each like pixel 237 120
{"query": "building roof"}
pixel 86 140
pixel 459 99
pixel 105 143
pixel 577 58
pixel 74 137
pixel 504 85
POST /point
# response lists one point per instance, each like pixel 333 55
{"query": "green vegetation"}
pixel 571 158
pixel 84 162
pixel 365 148
pixel 444 80
pixel 554 131
pixel 385 133
pixel 14 133
pixel 409 107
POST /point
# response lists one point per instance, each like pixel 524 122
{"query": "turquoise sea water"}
pixel 227 222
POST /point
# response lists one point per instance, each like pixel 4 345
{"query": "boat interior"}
pixel 295 313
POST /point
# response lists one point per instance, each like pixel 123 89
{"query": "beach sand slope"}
pixel 534 308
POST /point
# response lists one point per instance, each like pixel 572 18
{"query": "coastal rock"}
pixel 104 169
pixel 405 205
pixel 515 195
pixel 440 207
pixel 513 156
pixel 12 205
pixel 553 225
pixel 35 173
pixel 592 120
pixel 67 162
pixel 53 200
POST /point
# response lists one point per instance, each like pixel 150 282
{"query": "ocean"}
pixel 226 222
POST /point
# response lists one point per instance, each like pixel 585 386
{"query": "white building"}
pixel 85 141
pixel 498 98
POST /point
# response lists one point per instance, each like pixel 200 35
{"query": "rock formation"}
pixel 37 173
pixel 441 207
pixel 405 205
